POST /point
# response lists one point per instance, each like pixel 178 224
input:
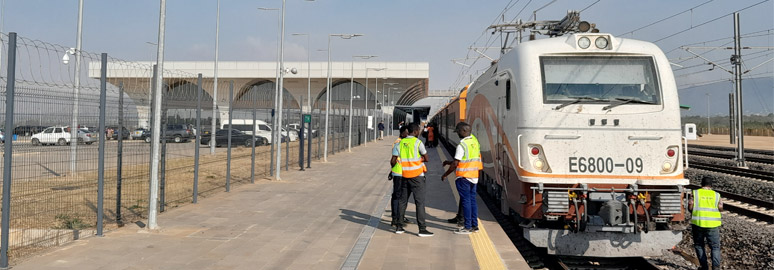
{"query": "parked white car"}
pixel 297 127
pixel 60 135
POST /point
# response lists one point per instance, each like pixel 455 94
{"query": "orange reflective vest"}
pixel 470 163
pixel 410 160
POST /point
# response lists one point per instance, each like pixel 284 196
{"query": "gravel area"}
pixel 745 243
pixel 758 189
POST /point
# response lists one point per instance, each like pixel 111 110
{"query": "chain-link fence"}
pixel 77 140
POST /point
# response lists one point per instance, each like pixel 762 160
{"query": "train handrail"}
pixel 518 151
pixel 685 148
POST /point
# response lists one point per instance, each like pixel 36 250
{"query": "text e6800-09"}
pixel 603 165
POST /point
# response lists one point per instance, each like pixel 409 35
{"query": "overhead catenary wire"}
pixel 666 18
pixel 709 21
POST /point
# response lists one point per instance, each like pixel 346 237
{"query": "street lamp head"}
pixel 299 34
pixel 346 36
pixel 365 56
pixel 263 8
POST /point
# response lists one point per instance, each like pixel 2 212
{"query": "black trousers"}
pixel 397 188
pixel 414 186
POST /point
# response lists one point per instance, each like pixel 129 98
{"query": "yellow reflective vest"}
pixel 705 208
pixel 397 169
pixel 410 160
pixel 470 163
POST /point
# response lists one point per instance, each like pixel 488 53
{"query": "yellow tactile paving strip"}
pixel 486 254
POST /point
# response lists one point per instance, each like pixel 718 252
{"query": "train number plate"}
pixel 604 165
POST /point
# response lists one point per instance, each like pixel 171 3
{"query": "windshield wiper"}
pixel 623 101
pixel 577 100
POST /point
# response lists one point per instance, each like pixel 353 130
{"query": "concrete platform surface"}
pixel 328 217
pixel 489 248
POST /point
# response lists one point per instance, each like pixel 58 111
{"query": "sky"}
pixel 433 31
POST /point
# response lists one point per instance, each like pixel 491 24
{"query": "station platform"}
pixel 750 142
pixel 332 216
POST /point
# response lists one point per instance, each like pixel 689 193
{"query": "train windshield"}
pixel 599 79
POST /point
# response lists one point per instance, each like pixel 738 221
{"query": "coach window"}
pixel 508 94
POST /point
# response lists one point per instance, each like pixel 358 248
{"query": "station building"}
pixel 389 84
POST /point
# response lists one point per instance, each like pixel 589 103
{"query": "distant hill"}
pixel 757 95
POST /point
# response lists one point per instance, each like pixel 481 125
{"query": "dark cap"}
pixel 706 181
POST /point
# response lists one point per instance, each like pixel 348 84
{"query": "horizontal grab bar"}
pixel 562 137
pixel 645 138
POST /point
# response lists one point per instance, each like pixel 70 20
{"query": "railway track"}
pixel 729 155
pixel 746 206
pixel 732 149
pixel 767 176
pixel 582 263
pixel 537 258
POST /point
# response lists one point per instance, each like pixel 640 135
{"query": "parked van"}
pixel 261 128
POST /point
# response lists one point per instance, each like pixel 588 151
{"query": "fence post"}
pixel 309 142
pixel 163 155
pixel 287 143
pixel 120 152
pixel 101 162
pixel 230 121
pixel 333 129
pixel 318 134
pixel 253 128
pixel 8 151
pixel 152 119
pixel 197 141
pixel 301 135
pixel 274 143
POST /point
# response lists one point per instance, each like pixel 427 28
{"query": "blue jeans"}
pixel 397 187
pixel 711 235
pixel 467 192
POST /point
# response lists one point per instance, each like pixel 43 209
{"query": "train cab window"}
pixel 600 79
pixel 508 94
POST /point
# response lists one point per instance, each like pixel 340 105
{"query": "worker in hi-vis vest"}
pixel 412 154
pixel 396 175
pixel 466 165
pixel 705 208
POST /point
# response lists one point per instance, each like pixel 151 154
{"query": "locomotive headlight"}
pixel 584 42
pixel 666 166
pixel 539 164
pixel 601 42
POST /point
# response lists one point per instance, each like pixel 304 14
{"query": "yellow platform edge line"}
pixel 486 253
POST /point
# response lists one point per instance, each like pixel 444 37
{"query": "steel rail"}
pixel 762 175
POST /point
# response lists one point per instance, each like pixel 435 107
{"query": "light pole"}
pixel 156 135
pixel 365 108
pixel 385 92
pixel 150 87
pixel 352 94
pixel 394 103
pixel 215 81
pixel 709 127
pixel 274 131
pixel 308 73
pixel 328 89
pixel 76 91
